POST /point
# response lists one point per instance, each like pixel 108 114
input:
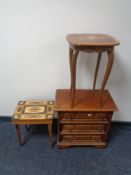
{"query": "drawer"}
pixel 82 138
pixel 84 116
pixel 83 127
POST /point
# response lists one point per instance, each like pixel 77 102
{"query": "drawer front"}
pixel 82 138
pixel 84 116
pixel 83 127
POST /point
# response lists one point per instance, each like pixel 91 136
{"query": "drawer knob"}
pixel 89 115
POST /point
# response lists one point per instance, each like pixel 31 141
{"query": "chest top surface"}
pixel 86 100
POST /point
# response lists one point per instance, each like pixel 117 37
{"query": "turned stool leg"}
pixel 50 133
pixel 74 61
pixel 107 73
pixel 96 70
pixel 18 134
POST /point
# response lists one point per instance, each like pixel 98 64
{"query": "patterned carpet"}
pixel 37 158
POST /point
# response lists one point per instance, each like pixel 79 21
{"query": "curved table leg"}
pixel 107 73
pixel 96 70
pixel 70 60
pixel 73 68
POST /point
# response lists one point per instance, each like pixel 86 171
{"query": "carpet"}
pixel 36 157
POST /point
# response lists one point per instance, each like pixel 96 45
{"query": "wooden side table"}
pixel 90 43
pixel 33 113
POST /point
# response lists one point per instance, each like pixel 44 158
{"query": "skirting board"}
pixel 5 118
pixel 8 119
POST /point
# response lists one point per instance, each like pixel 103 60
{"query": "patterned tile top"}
pixel 28 110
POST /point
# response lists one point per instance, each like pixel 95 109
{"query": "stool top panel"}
pixel 91 40
pixel 31 110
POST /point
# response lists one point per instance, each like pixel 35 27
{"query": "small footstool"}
pixel 33 113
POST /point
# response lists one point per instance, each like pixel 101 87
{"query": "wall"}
pixel 34 50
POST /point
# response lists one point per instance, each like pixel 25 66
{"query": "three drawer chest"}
pixel 87 123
